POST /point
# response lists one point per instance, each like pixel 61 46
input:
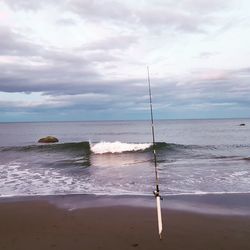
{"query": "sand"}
pixel 38 224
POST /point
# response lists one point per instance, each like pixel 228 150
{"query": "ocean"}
pixel 115 158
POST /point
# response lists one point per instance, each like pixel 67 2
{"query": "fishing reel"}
pixel 157 194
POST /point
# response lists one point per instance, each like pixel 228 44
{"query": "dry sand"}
pixel 39 225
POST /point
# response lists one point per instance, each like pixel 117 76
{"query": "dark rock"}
pixel 242 124
pixel 48 139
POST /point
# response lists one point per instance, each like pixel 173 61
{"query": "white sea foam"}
pixel 239 173
pixel 117 147
pixel 20 180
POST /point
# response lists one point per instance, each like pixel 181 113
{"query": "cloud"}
pixel 129 96
pixel 56 73
pixel 30 67
pixel 48 102
pixel 66 22
pixel 112 43
pixel 165 18
pixel 97 10
pixel 205 6
pixel 14 43
pixel 26 4
pixel 222 90
pixel 58 78
pixel 35 68
pixel 187 15
pixel 96 63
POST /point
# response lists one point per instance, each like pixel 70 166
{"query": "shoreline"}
pixel 217 204
pixel 49 223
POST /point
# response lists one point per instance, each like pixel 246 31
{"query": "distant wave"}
pixel 104 147
pixel 58 147
pixel 117 147
pixel 79 147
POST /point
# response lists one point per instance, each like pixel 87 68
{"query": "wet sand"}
pixel 38 224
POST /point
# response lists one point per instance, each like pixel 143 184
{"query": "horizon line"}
pixel 121 120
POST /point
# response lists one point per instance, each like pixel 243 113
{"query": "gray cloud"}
pixel 197 93
pixel 13 43
pixel 113 43
pixel 17 78
pixel 175 19
pixel 96 10
pixel 35 68
pixel 186 15
pixel 74 91
pixel 73 79
pixel 55 71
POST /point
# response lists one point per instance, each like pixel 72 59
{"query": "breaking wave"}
pixel 106 147
pixel 117 147
pixel 102 147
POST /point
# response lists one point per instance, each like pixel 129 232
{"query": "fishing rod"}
pixel 157 190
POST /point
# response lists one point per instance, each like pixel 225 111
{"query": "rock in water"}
pixel 242 124
pixel 48 139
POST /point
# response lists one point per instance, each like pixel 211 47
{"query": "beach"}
pixel 93 189
pixel 43 223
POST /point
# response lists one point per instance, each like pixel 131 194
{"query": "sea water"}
pixel 115 157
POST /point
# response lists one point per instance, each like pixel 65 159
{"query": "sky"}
pixel 73 60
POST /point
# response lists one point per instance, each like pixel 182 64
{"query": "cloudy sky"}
pixel 87 59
